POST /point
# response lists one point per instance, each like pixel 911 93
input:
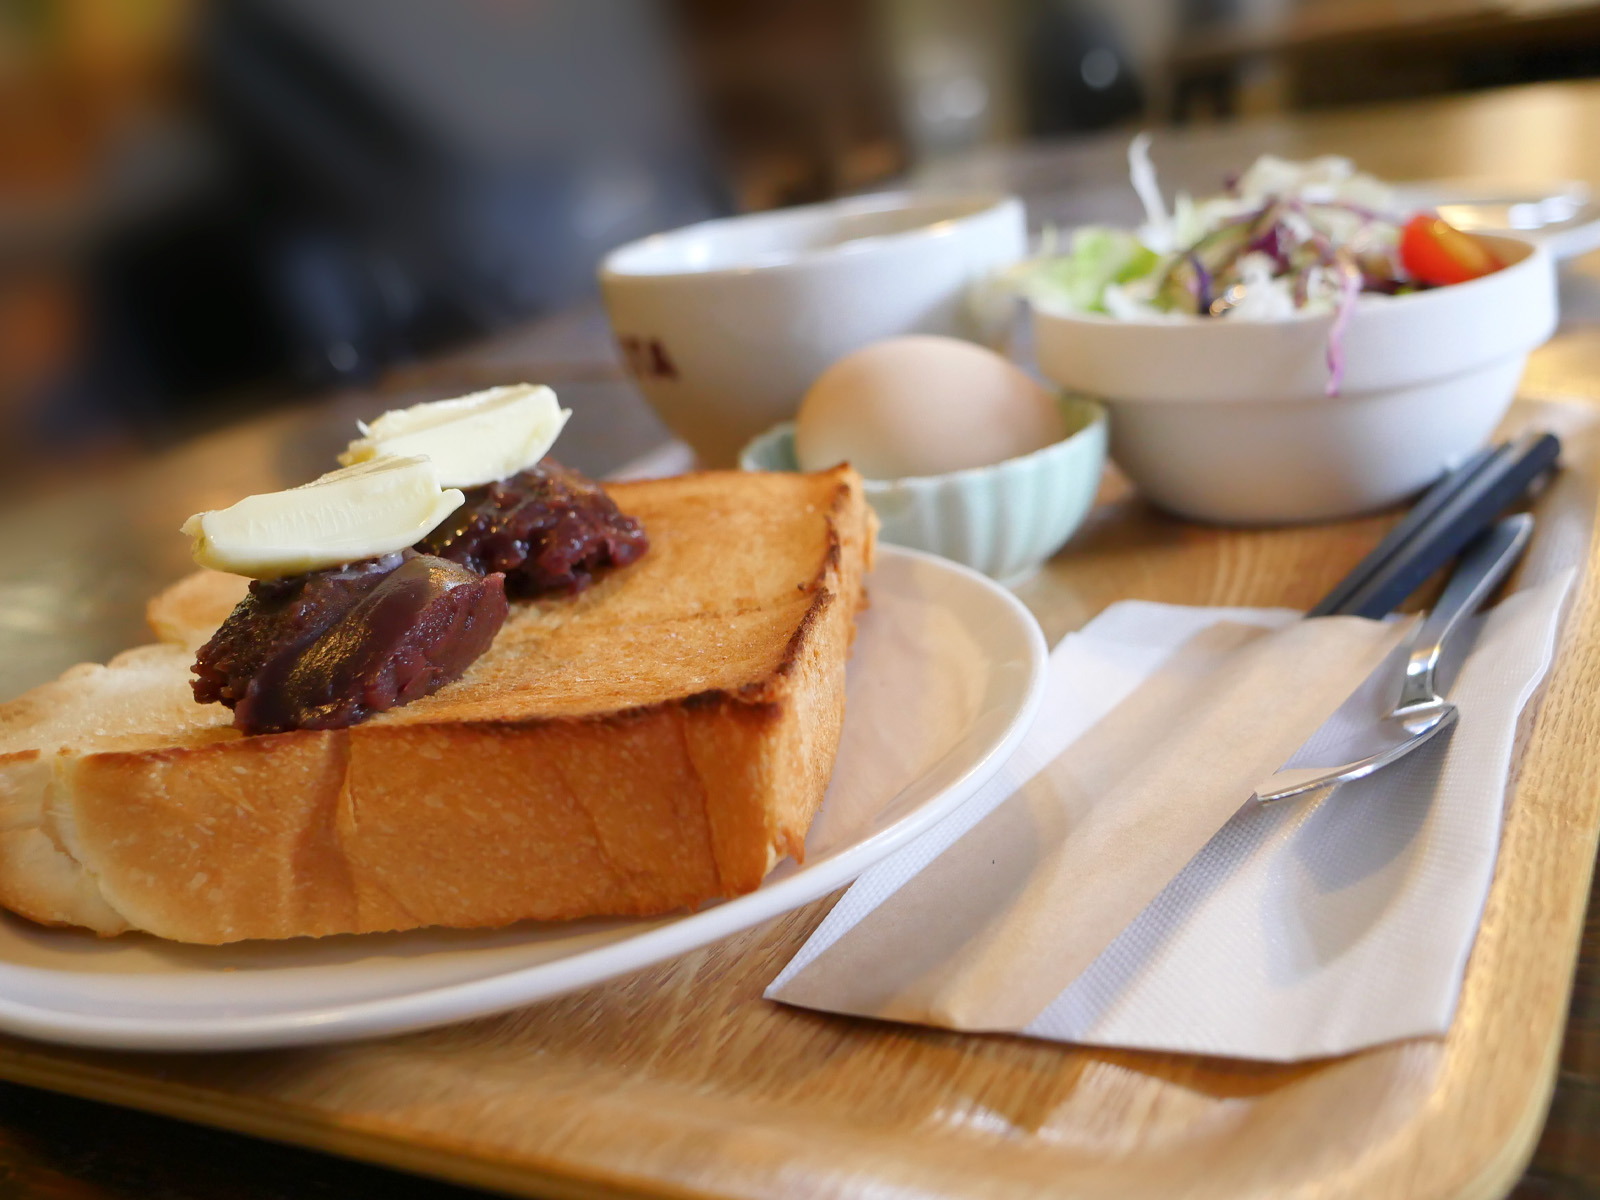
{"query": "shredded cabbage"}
pixel 1283 238
pixel 1097 257
pixel 1158 231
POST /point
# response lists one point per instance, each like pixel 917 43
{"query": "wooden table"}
pixel 80 566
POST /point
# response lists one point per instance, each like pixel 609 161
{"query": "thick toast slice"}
pixel 655 742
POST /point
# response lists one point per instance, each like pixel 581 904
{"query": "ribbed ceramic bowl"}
pixel 1002 520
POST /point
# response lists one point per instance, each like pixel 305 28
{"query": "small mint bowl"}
pixel 1002 520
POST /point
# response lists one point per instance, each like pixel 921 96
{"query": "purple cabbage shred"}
pixel 1349 289
pixel 1204 286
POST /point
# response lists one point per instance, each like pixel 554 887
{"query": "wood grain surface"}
pixel 681 1080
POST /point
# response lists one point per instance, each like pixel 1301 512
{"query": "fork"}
pixel 1422 712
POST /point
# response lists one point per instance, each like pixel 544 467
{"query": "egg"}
pixel 923 405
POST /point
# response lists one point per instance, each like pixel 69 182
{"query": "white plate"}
pixel 947 672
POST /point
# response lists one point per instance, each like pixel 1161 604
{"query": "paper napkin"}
pixel 1107 887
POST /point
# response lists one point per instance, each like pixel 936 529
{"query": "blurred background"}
pixel 211 209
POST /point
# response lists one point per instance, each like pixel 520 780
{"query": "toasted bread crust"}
pixel 523 791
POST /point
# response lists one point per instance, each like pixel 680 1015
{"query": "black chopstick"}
pixel 1421 512
pixel 1473 503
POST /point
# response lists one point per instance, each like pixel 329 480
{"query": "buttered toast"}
pixel 657 741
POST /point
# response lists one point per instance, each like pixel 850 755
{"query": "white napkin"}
pixel 1313 927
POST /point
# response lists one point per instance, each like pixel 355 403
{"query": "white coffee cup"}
pixel 725 324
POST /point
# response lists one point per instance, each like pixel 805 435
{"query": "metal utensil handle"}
pixel 1484 564
pixel 1452 484
pixel 1491 491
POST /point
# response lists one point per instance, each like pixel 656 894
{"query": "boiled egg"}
pixel 922 405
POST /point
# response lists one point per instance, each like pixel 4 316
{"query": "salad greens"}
pixel 1098 257
pixel 1281 239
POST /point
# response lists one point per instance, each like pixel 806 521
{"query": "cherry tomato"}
pixel 1438 253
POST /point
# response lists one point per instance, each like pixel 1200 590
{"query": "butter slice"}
pixel 359 512
pixel 474 439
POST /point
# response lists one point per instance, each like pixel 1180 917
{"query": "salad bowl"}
pixel 1232 420
pixel 1302 345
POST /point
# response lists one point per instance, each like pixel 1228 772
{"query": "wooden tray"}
pixel 681 1080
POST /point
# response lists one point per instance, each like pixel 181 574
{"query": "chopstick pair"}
pixel 1454 511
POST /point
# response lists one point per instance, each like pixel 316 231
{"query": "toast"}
pixel 655 742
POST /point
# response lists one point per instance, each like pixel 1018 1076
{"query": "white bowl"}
pixel 1229 421
pixel 1003 520
pixel 725 324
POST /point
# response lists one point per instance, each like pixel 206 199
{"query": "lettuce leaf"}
pixel 1076 281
